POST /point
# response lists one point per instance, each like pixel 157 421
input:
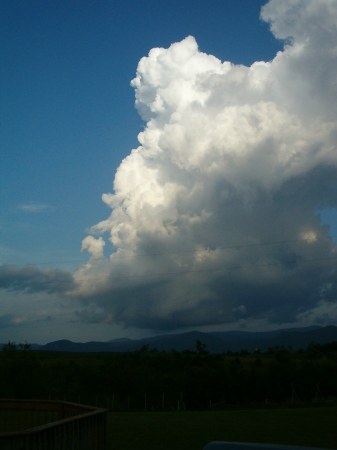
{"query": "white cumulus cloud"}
pixel 214 215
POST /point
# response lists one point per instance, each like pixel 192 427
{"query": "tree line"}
pixel 152 380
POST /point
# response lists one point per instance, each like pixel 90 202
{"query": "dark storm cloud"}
pixel 31 279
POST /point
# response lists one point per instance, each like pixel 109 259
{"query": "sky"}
pixel 166 166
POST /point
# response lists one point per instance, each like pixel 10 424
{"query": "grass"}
pixel 311 427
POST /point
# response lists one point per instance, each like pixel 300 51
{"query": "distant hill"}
pixel 215 342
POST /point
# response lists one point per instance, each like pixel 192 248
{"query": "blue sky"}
pixel 68 120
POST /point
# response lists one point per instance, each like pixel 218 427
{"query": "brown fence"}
pixel 48 425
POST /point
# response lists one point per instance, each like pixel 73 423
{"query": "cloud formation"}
pixel 32 279
pixel 215 215
pixel 34 207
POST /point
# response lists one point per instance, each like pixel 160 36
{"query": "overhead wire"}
pixel 182 272
pixel 177 252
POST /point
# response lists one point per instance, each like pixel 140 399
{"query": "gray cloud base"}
pixel 31 279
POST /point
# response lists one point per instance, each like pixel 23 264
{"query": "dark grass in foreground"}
pixel 311 427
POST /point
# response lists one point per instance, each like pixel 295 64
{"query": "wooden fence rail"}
pixel 49 425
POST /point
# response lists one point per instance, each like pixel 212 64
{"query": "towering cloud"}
pixel 214 216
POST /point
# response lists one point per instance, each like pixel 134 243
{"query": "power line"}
pixel 184 272
pixel 177 252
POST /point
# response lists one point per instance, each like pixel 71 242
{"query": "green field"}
pixel 312 427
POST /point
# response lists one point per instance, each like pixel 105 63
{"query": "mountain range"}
pixel 214 342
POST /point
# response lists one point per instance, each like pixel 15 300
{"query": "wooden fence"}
pixel 49 425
